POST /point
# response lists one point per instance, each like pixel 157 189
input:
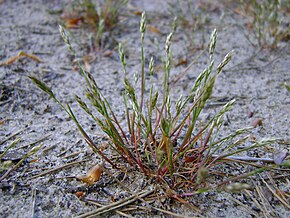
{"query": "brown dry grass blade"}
pixel 20 55
pixel 276 192
pixel 246 207
pixel 122 213
pixel 116 205
pixel 267 209
pixel 56 169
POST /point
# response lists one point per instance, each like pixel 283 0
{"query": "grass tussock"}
pixel 267 20
pixel 163 138
pixel 98 17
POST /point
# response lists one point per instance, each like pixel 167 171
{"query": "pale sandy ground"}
pixel 256 83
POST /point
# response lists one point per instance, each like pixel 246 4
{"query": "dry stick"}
pixel 254 200
pixel 135 207
pixel 262 204
pixel 56 169
pixel 100 205
pixel 120 183
pixel 267 209
pixel 247 208
pixel 155 208
pixel 123 214
pixel 170 213
pixel 276 195
pixel 277 190
pixel 116 205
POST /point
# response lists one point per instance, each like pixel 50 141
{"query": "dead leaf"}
pixel 181 61
pixel 92 176
pixel 153 29
pixel 20 55
pixel 257 122
pixel 73 23
pixel 80 194
pixel 138 13
pixel 71 20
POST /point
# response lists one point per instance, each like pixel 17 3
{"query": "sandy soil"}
pixel 254 78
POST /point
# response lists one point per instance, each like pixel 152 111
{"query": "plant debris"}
pixel 92 176
pixel 20 55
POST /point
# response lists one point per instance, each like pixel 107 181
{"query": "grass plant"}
pixel 99 17
pixel 268 21
pixel 163 138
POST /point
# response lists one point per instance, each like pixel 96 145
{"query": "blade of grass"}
pixel 10 137
pixel 29 153
pixel 13 144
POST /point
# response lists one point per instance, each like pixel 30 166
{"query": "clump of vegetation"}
pixel 99 18
pixel 163 138
pixel 268 21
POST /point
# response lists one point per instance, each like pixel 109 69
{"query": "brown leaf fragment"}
pixel 138 13
pixel 257 122
pixel 20 55
pixel 153 29
pixel 182 61
pixel 31 56
pixel 279 156
pixel 92 176
pixel 73 23
pixel 71 20
pixel 80 194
